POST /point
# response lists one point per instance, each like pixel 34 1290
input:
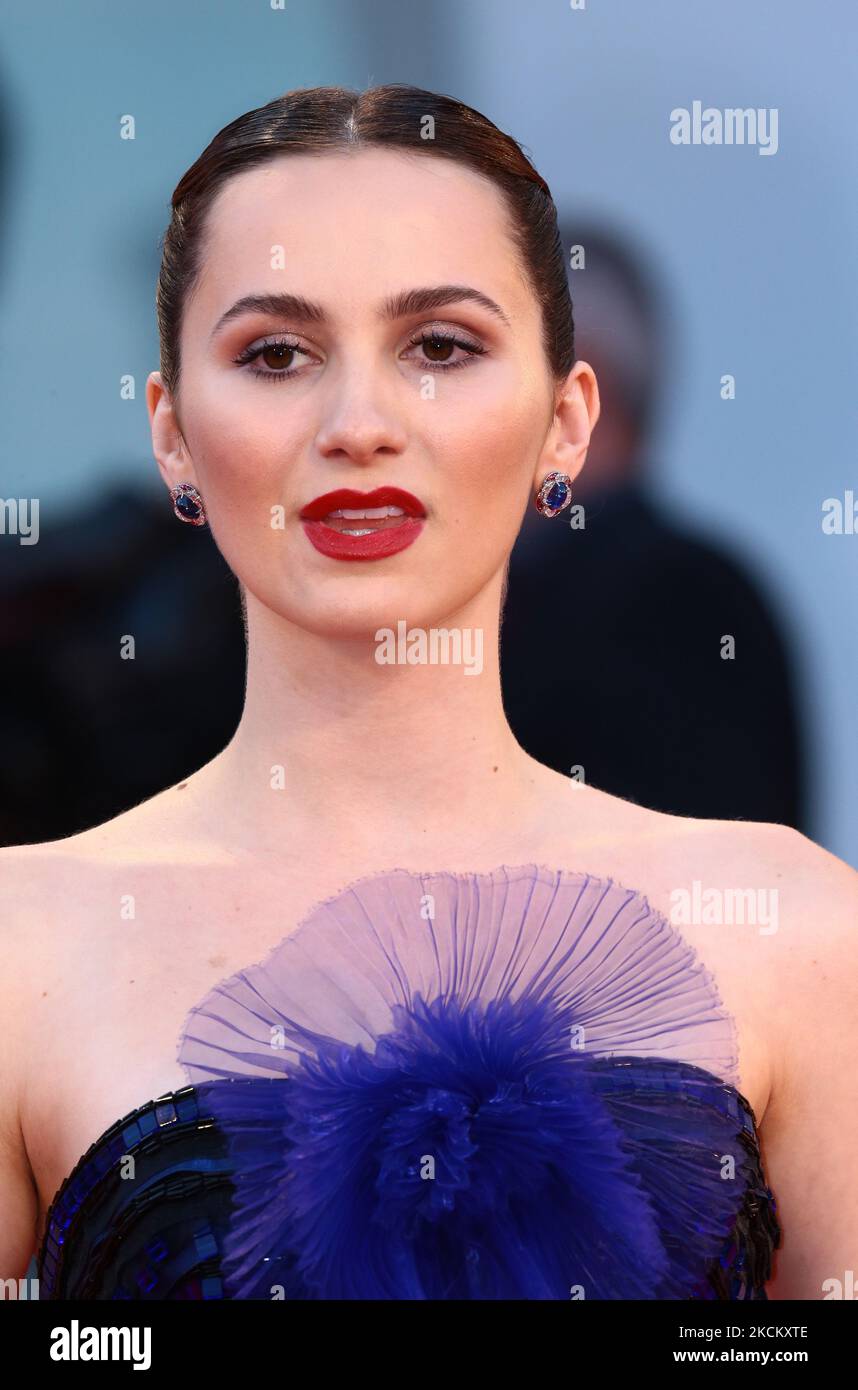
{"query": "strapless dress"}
pixel 519 1084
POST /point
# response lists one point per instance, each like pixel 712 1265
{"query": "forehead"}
pixel 352 226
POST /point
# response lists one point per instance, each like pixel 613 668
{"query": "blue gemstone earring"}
pixel 188 504
pixel 554 494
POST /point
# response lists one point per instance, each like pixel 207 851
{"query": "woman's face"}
pixel 277 407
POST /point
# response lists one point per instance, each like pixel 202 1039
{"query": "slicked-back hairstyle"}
pixel 316 120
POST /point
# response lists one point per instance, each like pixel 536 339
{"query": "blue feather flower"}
pixel 503 1101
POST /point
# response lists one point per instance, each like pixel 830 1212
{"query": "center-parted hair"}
pixel 317 120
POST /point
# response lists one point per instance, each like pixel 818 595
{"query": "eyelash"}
pixel 250 355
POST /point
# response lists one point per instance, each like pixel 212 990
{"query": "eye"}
pixel 277 357
pixel 438 345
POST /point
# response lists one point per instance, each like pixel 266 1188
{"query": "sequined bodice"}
pixel 458 1095
pixel 161 1235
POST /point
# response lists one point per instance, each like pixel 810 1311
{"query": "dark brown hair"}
pixel 317 119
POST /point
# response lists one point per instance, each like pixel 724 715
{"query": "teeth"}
pixel 349 531
pixel 368 513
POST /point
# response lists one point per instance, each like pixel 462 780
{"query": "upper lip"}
pixel 347 497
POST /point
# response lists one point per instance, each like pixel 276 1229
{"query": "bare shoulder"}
pixel 35 877
pixel 806 904
pixel 808 978
pixel 45 886
pixel 145 825
pixel 817 892
pixel 41 887
pixel 793 981
pixel 38 951
pixel 772 910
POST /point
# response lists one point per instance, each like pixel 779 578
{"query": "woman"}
pixel 512 1069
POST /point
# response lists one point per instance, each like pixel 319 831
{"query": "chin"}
pixel 361 609
pixel 357 606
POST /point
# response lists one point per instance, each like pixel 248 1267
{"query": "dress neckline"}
pixel 537 871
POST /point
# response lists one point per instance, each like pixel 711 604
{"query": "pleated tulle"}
pixel 515 1084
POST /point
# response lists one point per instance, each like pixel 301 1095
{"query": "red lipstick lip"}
pixel 373 545
pixel 347 497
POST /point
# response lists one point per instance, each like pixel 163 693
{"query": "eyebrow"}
pixel 396 306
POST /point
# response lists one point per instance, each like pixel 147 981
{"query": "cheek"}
pixel 490 441
pixel 240 452
pixel 242 461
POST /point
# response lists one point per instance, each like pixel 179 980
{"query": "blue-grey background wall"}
pixel 757 252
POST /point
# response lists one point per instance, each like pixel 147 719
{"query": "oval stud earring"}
pixel 188 504
pixel 554 494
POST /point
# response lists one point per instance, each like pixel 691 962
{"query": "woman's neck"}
pixel 335 746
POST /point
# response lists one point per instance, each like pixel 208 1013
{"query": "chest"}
pixel 113 1011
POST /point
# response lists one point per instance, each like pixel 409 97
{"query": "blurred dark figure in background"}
pixel 87 731
pixel 612 634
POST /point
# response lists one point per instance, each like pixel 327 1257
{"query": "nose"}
pixel 361 418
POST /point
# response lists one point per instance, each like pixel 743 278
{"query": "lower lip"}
pixel 374 546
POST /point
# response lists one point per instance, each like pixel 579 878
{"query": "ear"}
pixel 576 411
pixel 168 445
